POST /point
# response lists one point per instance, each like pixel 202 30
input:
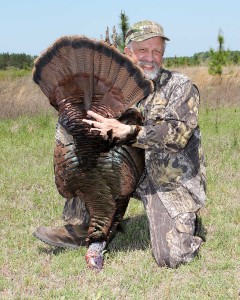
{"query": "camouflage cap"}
pixel 144 30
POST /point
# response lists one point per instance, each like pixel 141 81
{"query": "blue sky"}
pixel 30 26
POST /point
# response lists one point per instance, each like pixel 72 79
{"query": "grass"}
pixel 28 198
pixel 20 96
pixel 12 73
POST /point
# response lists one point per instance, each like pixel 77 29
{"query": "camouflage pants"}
pixel 172 239
pixel 75 212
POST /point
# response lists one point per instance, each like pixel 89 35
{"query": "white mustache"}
pixel 145 63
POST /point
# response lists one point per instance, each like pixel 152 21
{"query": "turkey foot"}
pixel 94 256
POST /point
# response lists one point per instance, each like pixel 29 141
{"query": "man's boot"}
pixel 68 236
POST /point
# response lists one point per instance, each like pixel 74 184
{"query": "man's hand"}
pixel 118 129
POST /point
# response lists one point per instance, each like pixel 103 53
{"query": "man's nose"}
pixel 149 57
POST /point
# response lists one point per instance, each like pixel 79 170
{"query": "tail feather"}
pixel 76 67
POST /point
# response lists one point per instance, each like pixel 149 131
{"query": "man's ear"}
pixel 129 54
pixel 127 51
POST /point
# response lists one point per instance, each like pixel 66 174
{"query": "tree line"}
pixel 201 58
pixel 25 61
pixel 20 61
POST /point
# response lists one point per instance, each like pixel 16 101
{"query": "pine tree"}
pixel 124 26
pixel 218 58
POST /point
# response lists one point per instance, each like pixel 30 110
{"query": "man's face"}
pixel 148 55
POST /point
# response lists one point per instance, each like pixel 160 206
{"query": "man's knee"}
pixel 162 262
pixel 181 245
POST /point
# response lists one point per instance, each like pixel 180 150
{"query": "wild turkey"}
pixel 77 74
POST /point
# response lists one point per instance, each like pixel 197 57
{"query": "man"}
pixel 173 189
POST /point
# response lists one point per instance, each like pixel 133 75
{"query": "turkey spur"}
pixel 78 74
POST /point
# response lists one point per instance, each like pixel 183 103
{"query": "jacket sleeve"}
pixel 170 127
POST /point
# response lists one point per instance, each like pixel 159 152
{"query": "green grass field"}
pixel 13 73
pixel 28 198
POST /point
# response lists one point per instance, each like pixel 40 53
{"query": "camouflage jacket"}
pixel 171 138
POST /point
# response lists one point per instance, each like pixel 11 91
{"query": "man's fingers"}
pixel 103 134
pixel 95 129
pixel 87 121
pixel 95 124
pixel 95 116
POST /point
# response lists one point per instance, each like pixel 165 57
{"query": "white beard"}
pixel 150 74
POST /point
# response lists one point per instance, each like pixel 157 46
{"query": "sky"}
pixel 30 26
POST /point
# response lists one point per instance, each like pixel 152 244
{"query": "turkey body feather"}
pixel 77 74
